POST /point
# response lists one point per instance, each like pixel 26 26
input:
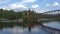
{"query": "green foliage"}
pixel 24 16
pixel 9 14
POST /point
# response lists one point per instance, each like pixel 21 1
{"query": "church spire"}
pixel 29 10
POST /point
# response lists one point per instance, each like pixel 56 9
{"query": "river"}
pixel 13 28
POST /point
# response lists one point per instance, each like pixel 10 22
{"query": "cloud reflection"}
pixel 35 29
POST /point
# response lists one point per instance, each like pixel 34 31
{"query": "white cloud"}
pixel 14 6
pixel 35 6
pixel 40 10
pixel 4 1
pixel 48 5
pixel 24 1
pixel 5 8
pixel 55 4
pixel 21 4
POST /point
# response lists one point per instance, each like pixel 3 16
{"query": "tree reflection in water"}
pixel 29 29
pixel 29 25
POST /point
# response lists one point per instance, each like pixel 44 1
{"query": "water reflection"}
pixel 53 24
pixel 29 29
pixel 19 28
pixel 52 27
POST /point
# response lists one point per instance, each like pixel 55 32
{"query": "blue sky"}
pixel 37 5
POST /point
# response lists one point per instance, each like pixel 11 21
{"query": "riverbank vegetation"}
pixel 13 15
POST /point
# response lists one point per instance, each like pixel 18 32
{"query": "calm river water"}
pixel 11 28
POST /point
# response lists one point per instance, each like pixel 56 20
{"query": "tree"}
pixel 1 13
pixel 24 16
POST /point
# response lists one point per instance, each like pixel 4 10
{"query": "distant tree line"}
pixel 11 14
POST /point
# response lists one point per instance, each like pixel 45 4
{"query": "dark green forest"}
pixel 9 14
pixel 12 15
